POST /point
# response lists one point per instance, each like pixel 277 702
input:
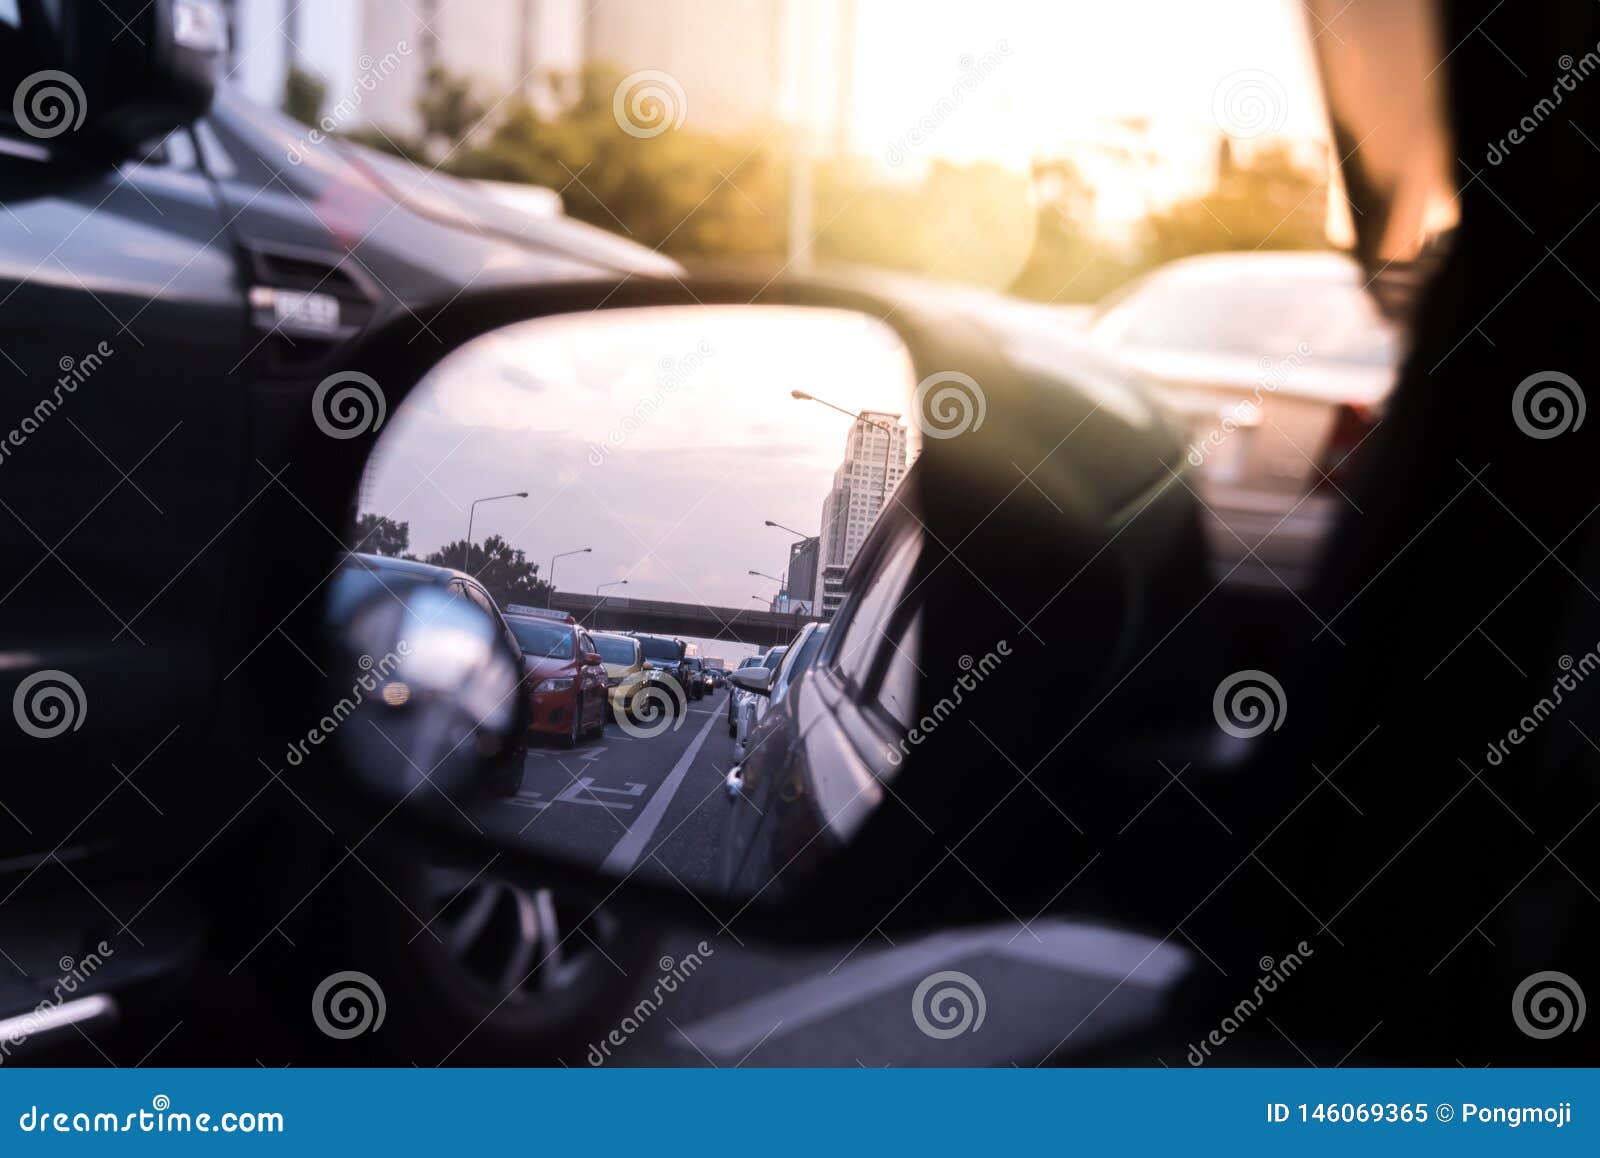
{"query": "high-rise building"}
pixel 874 463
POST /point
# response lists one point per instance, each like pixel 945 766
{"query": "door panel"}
pixel 121 420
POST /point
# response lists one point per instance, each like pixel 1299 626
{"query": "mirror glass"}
pixel 638 501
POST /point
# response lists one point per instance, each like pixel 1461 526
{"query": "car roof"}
pixel 410 568
pixel 1315 265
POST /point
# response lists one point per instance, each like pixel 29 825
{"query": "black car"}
pixel 183 275
pixel 699 679
pixel 669 657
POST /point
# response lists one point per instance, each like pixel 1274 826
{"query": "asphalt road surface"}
pixel 1051 991
pixel 621 803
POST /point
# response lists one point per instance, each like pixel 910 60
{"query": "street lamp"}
pixel 550 590
pixel 775 579
pixel 802 396
pixel 801 535
pixel 599 599
pixel 473 510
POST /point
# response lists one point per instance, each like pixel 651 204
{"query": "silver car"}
pixel 1277 367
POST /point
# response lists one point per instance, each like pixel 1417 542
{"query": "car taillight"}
pixel 1341 456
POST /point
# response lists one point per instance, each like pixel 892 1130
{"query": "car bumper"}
pixel 550 713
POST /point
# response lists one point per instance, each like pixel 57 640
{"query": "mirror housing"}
pixel 141 71
pixel 753 679
pixel 425 690
pixel 592 657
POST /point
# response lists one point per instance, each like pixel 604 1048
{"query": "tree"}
pixel 1071 260
pixel 303 94
pixel 448 106
pixel 682 191
pixel 1267 201
pixel 381 535
pixel 502 569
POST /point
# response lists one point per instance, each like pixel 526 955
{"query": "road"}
pixel 1052 990
pixel 622 803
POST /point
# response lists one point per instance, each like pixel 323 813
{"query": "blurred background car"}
pixel 566 679
pixel 797 657
pixel 734 693
pixel 699 679
pixel 668 658
pixel 1276 367
pixel 747 706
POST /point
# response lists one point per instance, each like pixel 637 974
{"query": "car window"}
pixel 896 690
pixel 799 659
pixel 542 639
pixel 614 649
pixel 863 632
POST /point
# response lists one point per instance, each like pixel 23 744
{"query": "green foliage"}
pixel 381 535
pixel 448 106
pixel 1268 202
pixel 698 195
pixel 684 192
pixel 502 569
pixel 303 95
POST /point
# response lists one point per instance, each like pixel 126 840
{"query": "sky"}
pixel 661 438
pixel 1066 77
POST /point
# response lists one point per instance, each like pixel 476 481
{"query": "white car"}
pixel 1277 367
pixel 744 708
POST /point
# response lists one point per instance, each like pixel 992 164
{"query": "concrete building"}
pixel 802 573
pixel 740 63
pixel 374 54
pixel 874 463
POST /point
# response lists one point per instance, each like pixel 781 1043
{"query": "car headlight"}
pixel 557 685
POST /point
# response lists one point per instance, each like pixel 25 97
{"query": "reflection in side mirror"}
pixel 663 487
pixel 754 679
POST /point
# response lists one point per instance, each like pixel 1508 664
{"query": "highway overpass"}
pixel 742 624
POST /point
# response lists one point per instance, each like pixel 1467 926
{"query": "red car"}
pixel 565 679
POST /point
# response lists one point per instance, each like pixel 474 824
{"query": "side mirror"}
pixel 754 679
pixel 133 71
pixel 592 657
pixel 423 692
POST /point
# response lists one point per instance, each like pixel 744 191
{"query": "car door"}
pixel 592 677
pixel 123 329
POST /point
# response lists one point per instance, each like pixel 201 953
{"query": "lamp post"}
pixel 803 537
pixel 599 599
pixel 888 430
pixel 550 595
pixel 775 579
pixel 473 510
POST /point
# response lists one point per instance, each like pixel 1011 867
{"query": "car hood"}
pixel 1360 383
pixel 452 201
pixel 543 669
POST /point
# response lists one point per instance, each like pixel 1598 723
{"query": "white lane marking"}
pixel 621 858
pixel 1072 947
pixel 584 791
